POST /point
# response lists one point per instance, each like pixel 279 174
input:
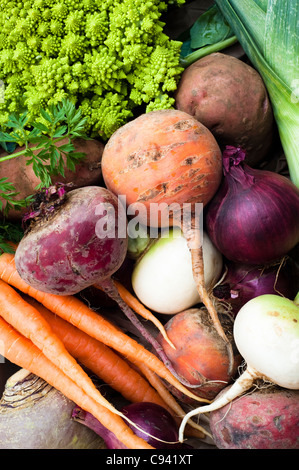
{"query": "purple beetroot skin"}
pixel 66 251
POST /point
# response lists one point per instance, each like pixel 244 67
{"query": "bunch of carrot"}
pixel 52 335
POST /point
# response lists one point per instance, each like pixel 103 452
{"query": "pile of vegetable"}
pixel 149 272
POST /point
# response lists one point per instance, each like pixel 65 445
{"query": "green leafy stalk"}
pixel 206 50
pixel 41 140
pixel 210 33
pixel 43 150
pixel 269 36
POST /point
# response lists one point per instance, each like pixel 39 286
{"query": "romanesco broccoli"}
pixel 109 57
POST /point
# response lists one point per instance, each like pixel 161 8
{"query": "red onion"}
pixel 155 420
pixel 244 282
pixel 150 417
pixel 254 216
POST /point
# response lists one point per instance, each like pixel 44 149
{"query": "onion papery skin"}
pixel 244 282
pixel 254 216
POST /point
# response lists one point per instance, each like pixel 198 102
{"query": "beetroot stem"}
pixel 110 289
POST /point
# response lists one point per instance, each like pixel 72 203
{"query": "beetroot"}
pixel 65 248
pixel 267 418
pixel 74 240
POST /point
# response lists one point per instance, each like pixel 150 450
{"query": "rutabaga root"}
pixel 110 289
pixel 240 386
pixel 30 402
pixel 192 235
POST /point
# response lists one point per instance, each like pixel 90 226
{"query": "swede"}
pixel 200 355
pixel 166 160
pixel 34 415
pixel 266 333
pixel 163 278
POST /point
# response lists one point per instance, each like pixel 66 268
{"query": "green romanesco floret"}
pixel 108 57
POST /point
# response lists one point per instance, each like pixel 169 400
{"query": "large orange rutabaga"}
pixel 163 156
pixel 167 157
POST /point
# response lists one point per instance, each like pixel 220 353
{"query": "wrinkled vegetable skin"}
pixel 229 98
pixel 264 419
pixel 64 253
pixel 88 172
pixel 162 156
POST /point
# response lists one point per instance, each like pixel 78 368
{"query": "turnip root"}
pixel 229 97
pixel 88 172
pixel 34 415
pixel 162 157
pixel 265 418
pixel 200 355
pixel 163 279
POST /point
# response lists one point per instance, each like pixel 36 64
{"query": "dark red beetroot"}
pixel 66 251
pixel 201 356
pixel 77 239
pixel 265 419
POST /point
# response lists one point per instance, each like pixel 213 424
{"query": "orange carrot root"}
pixel 22 352
pixel 29 322
pixel 101 360
pixel 74 311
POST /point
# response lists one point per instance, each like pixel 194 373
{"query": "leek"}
pixel 268 33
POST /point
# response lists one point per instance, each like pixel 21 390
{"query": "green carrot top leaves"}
pixel 40 138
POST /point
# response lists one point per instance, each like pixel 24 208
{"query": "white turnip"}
pixel 163 279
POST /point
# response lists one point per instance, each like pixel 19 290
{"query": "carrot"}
pixel 137 306
pixel 80 315
pixel 22 352
pixel 30 323
pixel 101 360
pixel 114 370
